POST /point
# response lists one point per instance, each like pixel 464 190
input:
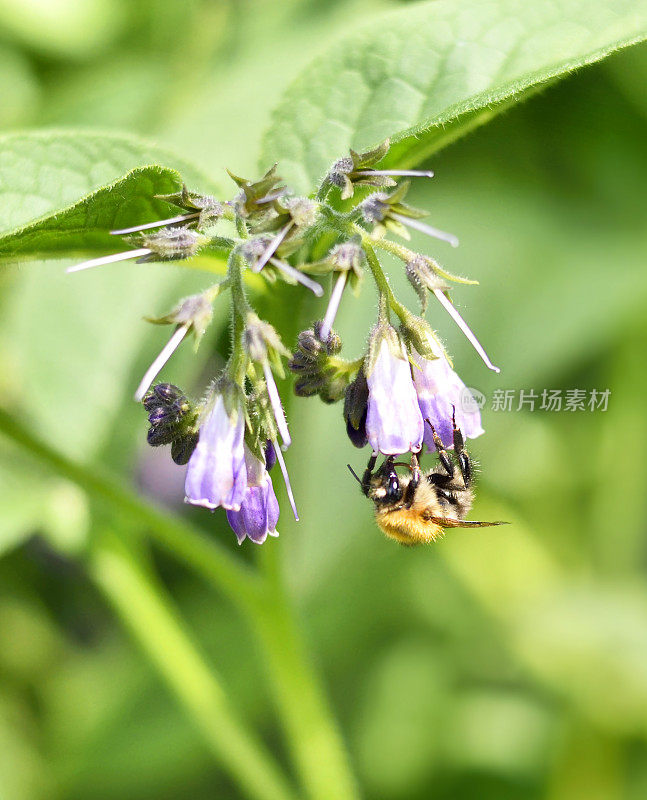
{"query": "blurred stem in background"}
pixel 143 607
pixel 141 604
pixel 309 725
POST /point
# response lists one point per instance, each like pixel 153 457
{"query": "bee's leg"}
pixel 443 455
pixel 461 453
pixel 368 473
pixel 416 476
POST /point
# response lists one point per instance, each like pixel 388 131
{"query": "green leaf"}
pixel 85 226
pixel 427 74
pixel 43 173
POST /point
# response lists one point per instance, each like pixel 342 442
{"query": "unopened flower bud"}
pixel 302 363
pixel 204 208
pixel 332 341
pixel 194 313
pixel 170 414
pixel 162 394
pixel 182 448
pixel 251 200
pixel 309 385
pixel 171 244
pixel 309 343
pixel 355 410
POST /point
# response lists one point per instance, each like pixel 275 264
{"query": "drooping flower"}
pixel 259 510
pixel 216 475
pixel 394 423
pixel 441 394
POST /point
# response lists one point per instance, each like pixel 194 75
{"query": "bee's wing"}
pixel 463 523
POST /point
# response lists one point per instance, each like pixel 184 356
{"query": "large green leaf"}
pixel 428 73
pixel 85 225
pixel 45 172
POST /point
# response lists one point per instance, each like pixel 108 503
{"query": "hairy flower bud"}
pixel 252 199
pixel 194 313
pixel 355 410
pixel 206 210
pixel 171 244
pixel 171 416
pixel 355 170
pixel 387 211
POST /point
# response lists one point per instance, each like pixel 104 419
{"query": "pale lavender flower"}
pixel 394 423
pixel 441 393
pixel 259 510
pixel 216 475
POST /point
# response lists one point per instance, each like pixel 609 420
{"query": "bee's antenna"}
pixel 354 474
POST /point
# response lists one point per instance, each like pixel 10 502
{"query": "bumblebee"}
pixel 416 508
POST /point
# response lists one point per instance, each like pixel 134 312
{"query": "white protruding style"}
pixel 99 262
pixel 435 233
pixel 167 351
pixel 453 313
pixel 333 306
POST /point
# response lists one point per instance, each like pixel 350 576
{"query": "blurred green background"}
pixel 508 663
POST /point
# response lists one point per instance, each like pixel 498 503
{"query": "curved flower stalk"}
pixel 403 378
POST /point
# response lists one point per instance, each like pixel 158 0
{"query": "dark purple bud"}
pixel 182 449
pixel 160 435
pixel 162 417
pixel 309 385
pixel 309 343
pixel 302 363
pixel 162 393
pixel 270 455
pixel 357 436
pixel 332 341
pixel 355 410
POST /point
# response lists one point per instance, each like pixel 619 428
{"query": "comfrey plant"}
pixel 401 390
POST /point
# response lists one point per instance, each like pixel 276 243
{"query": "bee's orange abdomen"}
pixel 408 528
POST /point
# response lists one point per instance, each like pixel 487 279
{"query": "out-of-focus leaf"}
pixel 588 643
pixel 225 114
pixel 21 92
pixel 399 733
pixel 63 28
pixel 427 74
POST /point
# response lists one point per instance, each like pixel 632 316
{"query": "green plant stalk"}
pixel 381 280
pixel 311 730
pixel 148 614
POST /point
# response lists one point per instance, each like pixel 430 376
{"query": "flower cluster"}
pixel 233 435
